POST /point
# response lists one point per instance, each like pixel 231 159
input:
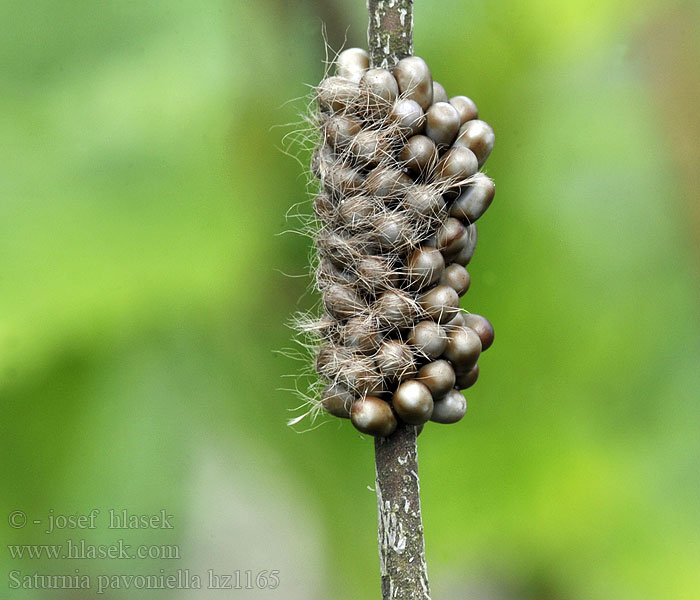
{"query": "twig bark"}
pixel 390 31
pixel 401 545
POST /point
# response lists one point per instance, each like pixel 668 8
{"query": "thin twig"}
pixel 401 545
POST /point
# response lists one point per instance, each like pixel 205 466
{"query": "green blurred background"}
pixel 143 296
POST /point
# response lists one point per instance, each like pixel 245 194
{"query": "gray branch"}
pixel 390 31
pixel 401 546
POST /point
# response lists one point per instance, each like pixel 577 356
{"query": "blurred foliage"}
pixel 142 294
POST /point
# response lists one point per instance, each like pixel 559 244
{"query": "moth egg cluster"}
pixel 400 191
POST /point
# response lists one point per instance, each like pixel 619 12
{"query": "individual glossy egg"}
pixel 354 211
pixel 387 182
pixel 424 200
pixel 438 376
pixel 394 360
pixel 465 107
pixel 369 147
pixel 325 208
pixel 352 63
pixel 448 236
pixel 457 277
pixel 375 273
pixel 342 301
pixel 395 308
pixel 337 400
pixel 475 199
pixel 409 116
pixel 439 93
pixel 419 154
pixel 341 180
pixel 329 273
pixel 483 328
pixel 413 402
pixel 424 267
pixel 336 248
pixel 428 338
pixel 340 130
pixel 463 348
pixel 379 91
pixel 450 408
pixel 361 334
pixel 478 136
pixel 457 321
pixel 467 245
pixel 392 231
pixel 337 94
pixel 415 80
pixel 373 416
pixel 468 379
pixel 441 303
pixel 456 166
pixel 442 123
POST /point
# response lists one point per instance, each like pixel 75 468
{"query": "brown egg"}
pixel 467 244
pixel 369 147
pixel 352 63
pixel 463 348
pixel 375 273
pixel 468 379
pixel 409 116
pixel 395 361
pixel 424 200
pixel 456 166
pixel 475 199
pixel 419 154
pixel 413 403
pixel 415 80
pixel 358 374
pixel 340 129
pixel 450 408
pixel 337 94
pixel 465 107
pixel 341 180
pixel 440 303
pixel 340 250
pixel 388 183
pixel 448 236
pixel 337 400
pixel 342 302
pixel 424 267
pixel 380 88
pixel 439 377
pixel 439 93
pixel 442 123
pixel 373 416
pixel 478 137
pixel 392 231
pixel 429 339
pixel 483 328
pixel 395 308
pixel 457 277
pixel 354 211
pixel 361 335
